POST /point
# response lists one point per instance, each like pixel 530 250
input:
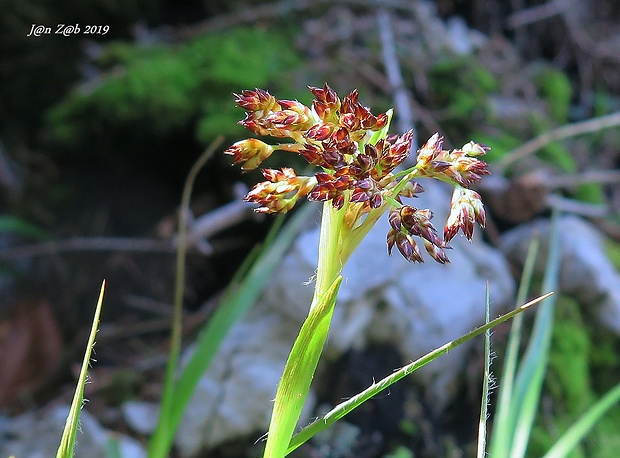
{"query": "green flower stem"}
pixel 356 234
pixel 330 264
pixel 336 243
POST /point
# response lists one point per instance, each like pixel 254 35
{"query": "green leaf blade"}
pixel 67 442
pixel 569 440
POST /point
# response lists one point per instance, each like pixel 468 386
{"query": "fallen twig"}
pixel 537 13
pixel 128 244
pixel 206 226
pixel 395 77
pixel 219 219
pixel 277 9
pixel 570 130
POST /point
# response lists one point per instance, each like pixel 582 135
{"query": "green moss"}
pixel 572 385
pixel 555 153
pixel 591 192
pixel 461 86
pixel 555 88
pixel 568 379
pixel 148 96
pixel 612 250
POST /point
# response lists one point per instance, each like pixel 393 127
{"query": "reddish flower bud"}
pixel 394 219
pixel 326 159
pixel 405 244
pixel 319 132
pixel 418 222
pixel 256 100
pixel 281 192
pixel 327 104
pixel 392 154
pixel 430 150
pixel 411 189
pixel 293 116
pixel 469 170
pixel 350 121
pixel 460 166
pixel 250 151
pixel 382 120
pixel 436 252
pixel 465 209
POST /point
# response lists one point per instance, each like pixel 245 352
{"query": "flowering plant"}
pixel 357 182
pixel 357 159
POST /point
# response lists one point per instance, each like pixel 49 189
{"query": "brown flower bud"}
pixel 406 245
pixel 465 209
pixel 418 222
pixel 436 252
pixel 250 151
pixel 281 192
pixel 257 100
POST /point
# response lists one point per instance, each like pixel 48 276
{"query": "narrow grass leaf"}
pixel 67 442
pixel 529 380
pixel 569 440
pixel 298 373
pixel 13 224
pixel 247 284
pixel 486 381
pixel 344 408
pixel 237 299
pixel 504 423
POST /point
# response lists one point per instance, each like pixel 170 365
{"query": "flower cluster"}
pixel 357 161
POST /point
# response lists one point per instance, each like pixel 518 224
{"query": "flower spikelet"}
pixel 465 209
pixel 407 222
pixel 459 166
pixel 280 193
pixel 251 152
pixel 326 104
pixel 265 115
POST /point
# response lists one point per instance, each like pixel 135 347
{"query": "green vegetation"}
pixel 461 87
pixel 148 97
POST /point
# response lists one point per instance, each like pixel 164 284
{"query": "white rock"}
pixel 38 434
pixel 141 416
pixel 235 396
pixel 585 271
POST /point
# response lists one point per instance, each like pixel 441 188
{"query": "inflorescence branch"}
pixel 356 159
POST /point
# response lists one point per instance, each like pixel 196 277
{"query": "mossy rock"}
pixel 152 101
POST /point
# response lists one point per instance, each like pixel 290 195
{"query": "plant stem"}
pixel 162 439
pixel 335 246
pixel 329 264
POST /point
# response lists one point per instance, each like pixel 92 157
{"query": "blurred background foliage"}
pixel 148 95
pixel 97 133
